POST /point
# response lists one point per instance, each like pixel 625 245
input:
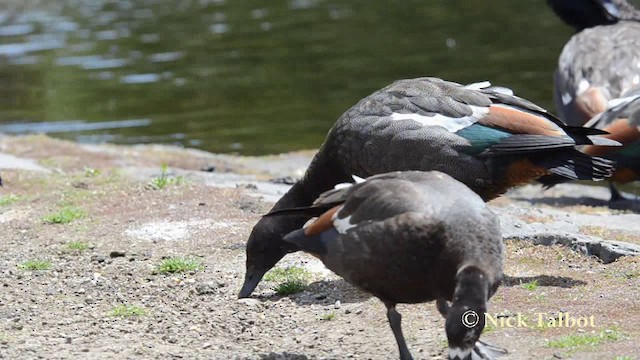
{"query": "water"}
pixel 251 77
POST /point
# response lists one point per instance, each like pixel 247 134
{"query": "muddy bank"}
pixel 566 252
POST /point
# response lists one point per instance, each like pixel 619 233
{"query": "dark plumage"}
pixel 483 136
pixel 598 79
pixel 412 237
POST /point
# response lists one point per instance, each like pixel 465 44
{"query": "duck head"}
pixel 264 250
pixel 466 316
pixel 582 14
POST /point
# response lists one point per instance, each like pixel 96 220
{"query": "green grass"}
pixel 35 264
pixel 584 340
pixel 127 311
pixel 178 264
pixel 288 280
pixel 8 199
pixel 623 358
pixel 328 316
pixel 77 246
pixel 91 172
pixel 531 286
pixel 65 215
pixel 164 179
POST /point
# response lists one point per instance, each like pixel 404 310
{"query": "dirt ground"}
pixel 130 226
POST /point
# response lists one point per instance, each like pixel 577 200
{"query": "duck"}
pixel 482 135
pixel 599 72
pixel 391 233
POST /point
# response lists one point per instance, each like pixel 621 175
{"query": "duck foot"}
pixel 483 350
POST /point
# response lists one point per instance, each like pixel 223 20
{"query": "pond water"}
pixel 251 77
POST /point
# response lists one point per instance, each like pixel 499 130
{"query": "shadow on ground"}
pixel 543 280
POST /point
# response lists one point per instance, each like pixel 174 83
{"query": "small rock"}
pixel 207 345
pixel 115 254
pixel 557 355
pixel 209 168
pixel 68 340
pixel 337 304
pixel 81 291
pixel 249 302
pixel 347 311
pixel 206 289
pixel 98 258
pixel 321 296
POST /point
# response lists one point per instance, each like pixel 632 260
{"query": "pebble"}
pixel 337 304
pixel 115 254
pixel 250 302
pixel 206 289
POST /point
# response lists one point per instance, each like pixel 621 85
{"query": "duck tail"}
pixel 589 136
pixel 574 165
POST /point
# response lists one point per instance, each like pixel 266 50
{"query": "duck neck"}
pixel 466 316
pixel 472 287
pixel 322 174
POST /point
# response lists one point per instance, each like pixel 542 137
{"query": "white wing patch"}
pixel 478 85
pixel 342 225
pixel 342 186
pixel 566 98
pixel 582 87
pixel 449 123
pixel 358 179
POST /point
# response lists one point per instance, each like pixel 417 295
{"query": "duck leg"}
pixel 394 320
pixel 615 193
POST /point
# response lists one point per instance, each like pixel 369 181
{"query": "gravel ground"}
pixel 129 227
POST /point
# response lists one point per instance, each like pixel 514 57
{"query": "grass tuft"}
pixel 164 179
pixel 531 286
pixel 35 264
pixel 8 199
pixel 583 340
pixel 288 280
pixel 77 246
pixel 328 316
pixel 178 264
pixel 65 215
pixel 127 311
pixel 91 172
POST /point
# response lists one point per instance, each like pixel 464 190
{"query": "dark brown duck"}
pixel 412 237
pixel 483 136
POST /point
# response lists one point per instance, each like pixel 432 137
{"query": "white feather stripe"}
pixel 358 179
pixel 451 124
pixel 341 225
pixel 478 85
pixel 342 186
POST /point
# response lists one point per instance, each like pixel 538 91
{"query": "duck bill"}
pixel 251 280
